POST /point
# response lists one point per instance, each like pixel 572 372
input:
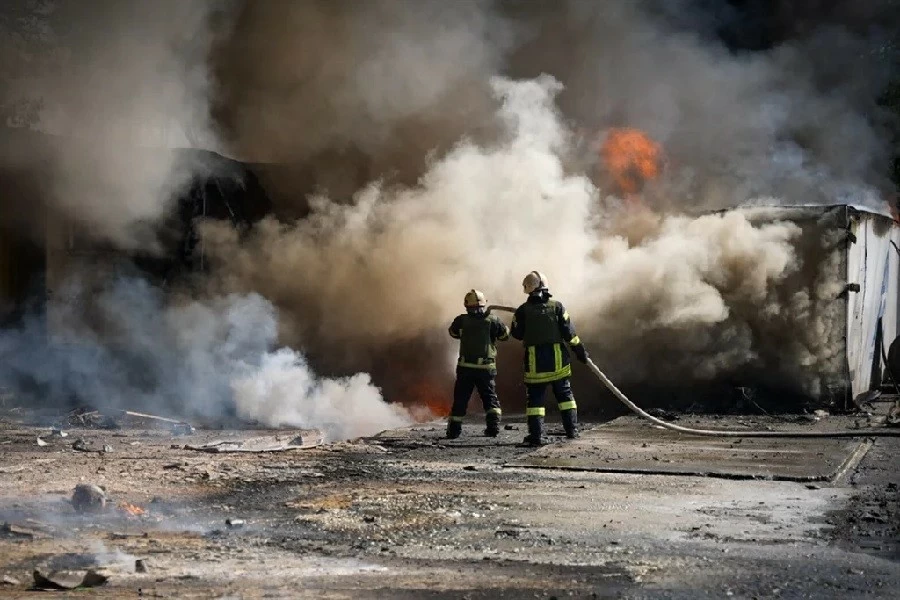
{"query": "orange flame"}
pixel 131 509
pixel 631 157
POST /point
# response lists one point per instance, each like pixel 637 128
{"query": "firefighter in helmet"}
pixel 478 334
pixel 545 328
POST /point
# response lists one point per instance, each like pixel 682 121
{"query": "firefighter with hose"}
pixel 544 326
pixel 478 334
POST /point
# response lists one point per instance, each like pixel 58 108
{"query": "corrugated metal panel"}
pixel 872 264
pixel 856 273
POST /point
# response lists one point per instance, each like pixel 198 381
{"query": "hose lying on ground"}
pixel 882 432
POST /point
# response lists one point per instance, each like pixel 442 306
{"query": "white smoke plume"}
pixel 283 391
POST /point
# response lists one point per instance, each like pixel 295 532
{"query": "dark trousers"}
pixel 565 399
pixel 468 380
pixel 562 390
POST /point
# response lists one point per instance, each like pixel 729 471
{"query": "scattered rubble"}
pixel 139 419
pixel 80 445
pixel 893 417
pixel 68 580
pixel 9 530
pixel 665 415
pixel 183 429
pixel 41 442
pixel 309 438
pixel 400 508
pixel 90 419
pixel 89 498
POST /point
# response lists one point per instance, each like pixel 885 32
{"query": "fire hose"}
pixel 883 432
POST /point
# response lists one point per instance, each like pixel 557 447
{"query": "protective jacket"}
pixel 478 334
pixel 544 327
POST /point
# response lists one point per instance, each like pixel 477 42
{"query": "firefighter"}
pixel 544 327
pixel 478 334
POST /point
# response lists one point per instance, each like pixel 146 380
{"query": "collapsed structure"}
pixel 41 246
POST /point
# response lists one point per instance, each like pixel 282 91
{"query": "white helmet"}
pixel 534 282
pixel 474 299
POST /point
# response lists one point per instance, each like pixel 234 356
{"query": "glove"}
pixel 580 353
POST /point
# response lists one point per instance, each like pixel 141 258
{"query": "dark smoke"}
pixel 418 149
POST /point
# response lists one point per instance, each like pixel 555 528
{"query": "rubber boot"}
pixel 492 421
pixel 454 429
pixel 570 422
pixel 535 435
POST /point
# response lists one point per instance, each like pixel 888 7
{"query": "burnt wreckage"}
pixel 52 264
pixel 222 189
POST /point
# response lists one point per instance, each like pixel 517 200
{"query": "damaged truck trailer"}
pixel 843 300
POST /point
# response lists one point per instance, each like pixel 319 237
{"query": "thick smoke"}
pixel 346 91
pixel 127 84
pixel 379 260
pixel 416 150
pixel 356 91
pixel 739 294
pixel 129 346
pixel 685 299
pixel 131 86
pixel 798 121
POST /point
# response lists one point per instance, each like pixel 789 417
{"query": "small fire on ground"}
pixel 430 396
pixel 131 509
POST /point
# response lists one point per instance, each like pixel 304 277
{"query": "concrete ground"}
pixel 409 515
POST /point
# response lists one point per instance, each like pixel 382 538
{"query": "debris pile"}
pixel 67 580
pixel 90 418
pixel 88 498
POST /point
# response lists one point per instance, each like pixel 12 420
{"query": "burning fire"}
pixel 131 509
pixel 631 157
pixel 426 393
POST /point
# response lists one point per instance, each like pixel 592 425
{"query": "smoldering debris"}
pixel 89 498
pixel 9 530
pixel 85 417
